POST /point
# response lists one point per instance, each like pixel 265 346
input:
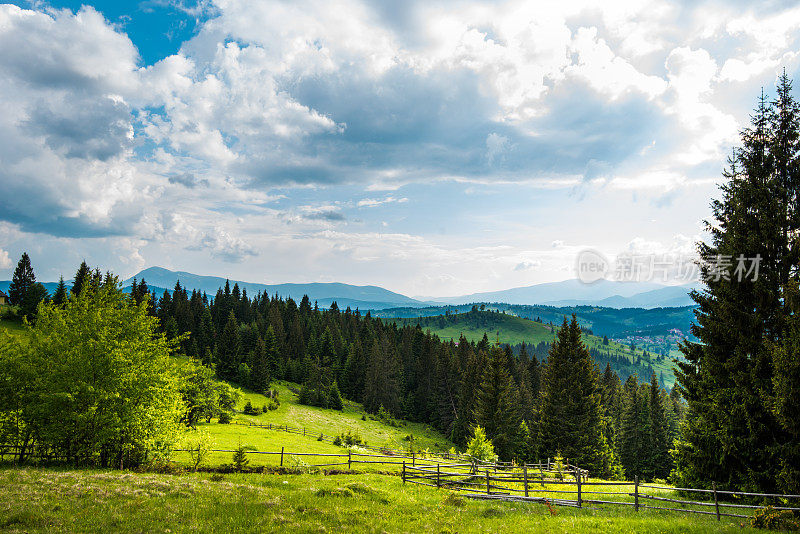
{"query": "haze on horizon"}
pixel 431 148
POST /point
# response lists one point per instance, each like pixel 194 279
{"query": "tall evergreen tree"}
pixel 82 277
pixel 497 404
pixel 22 280
pixel 571 413
pixel 60 295
pixel 731 434
pixel 660 461
pixel 228 349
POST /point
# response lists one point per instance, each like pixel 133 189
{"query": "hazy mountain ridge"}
pixel 605 293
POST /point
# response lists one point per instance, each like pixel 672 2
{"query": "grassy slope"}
pixel 38 500
pixel 13 328
pixel 315 421
pixel 515 330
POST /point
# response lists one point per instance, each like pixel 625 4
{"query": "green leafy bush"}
pixel 348 440
pixel 479 447
pixel 770 518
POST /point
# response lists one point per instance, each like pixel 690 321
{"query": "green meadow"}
pixel 50 500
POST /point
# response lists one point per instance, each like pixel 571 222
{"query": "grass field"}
pixel 14 328
pixel 315 421
pixel 44 500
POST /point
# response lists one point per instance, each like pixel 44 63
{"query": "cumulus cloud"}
pixel 5 260
pixel 285 112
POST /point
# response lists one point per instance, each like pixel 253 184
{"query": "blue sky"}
pixel 434 148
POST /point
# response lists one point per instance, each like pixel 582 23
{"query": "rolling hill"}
pixel 508 329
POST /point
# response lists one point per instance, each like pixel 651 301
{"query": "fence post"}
pixel 488 491
pixel 281 456
pixel 716 503
pixel 304 431
pixel 548 463
pixel 525 478
pixel 413 458
pixel 349 458
pixel 404 471
pixel 578 478
pixel 636 493
pixel 438 477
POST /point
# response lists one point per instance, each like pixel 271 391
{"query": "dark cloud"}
pixel 96 128
pixel 189 180
pixel 327 215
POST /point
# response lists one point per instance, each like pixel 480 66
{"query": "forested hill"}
pixel 603 321
pixel 538 335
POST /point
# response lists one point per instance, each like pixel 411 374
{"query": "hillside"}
pixel 510 329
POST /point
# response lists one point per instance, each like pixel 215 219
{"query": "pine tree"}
pixel 496 408
pixel 82 277
pixel 60 296
pixel 660 461
pixel 259 365
pixel 731 434
pixel 228 349
pixel 571 413
pixel 22 280
pixel 335 398
pixel 632 439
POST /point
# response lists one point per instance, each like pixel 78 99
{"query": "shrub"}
pixel 240 460
pixel 198 445
pixel 250 410
pixel 773 519
pixel 105 354
pixel 479 447
pixel 224 418
pixel 348 440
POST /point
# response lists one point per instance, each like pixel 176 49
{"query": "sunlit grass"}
pixel 43 500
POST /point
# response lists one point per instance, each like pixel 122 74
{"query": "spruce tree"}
pixel 60 296
pixel 82 278
pixel 571 413
pixel 22 280
pixel 497 406
pixel 228 349
pixel 731 434
pixel 660 461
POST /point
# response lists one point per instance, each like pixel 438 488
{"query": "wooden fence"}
pixel 302 431
pixel 552 487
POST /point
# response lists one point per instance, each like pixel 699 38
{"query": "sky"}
pixel 434 148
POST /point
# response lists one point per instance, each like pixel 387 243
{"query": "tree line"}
pixel 529 407
pixel 410 373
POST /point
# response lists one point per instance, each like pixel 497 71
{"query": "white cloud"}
pixel 5 260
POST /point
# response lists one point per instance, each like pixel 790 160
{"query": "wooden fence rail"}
pixel 517 485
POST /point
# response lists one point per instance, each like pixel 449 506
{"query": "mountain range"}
pixel 604 293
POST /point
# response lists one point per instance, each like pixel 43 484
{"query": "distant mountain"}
pixel 576 293
pixel 663 297
pixel 49 286
pixel 604 293
pixel 363 297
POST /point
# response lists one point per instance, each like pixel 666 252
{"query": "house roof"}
pixel 3 294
